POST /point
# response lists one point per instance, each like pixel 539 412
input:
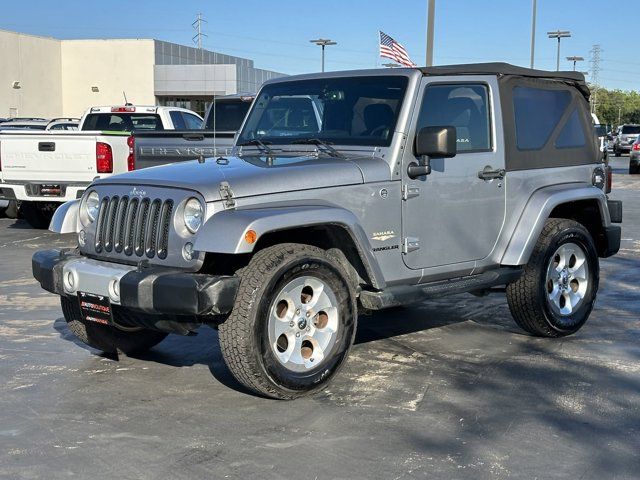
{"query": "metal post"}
pixel 533 32
pixel 558 34
pixel 431 12
pixel 575 59
pixel 323 42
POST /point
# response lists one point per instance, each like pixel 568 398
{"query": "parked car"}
pixel 626 135
pixel 64 124
pixel 415 184
pixel 24 124
pixel 634 157
pixel 214 137
pixel 41 170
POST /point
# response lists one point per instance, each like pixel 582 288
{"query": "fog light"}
pixel 82 238
pixel 70 281
pixel 187 251
pixel 114 290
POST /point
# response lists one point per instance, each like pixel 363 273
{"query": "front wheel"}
pixel 556 292
pixel 293 322
pixel 109 338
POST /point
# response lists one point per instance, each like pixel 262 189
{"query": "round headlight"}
pixel 91 206
pixel 193 213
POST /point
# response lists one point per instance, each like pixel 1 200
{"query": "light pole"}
pixel 559 34
pixel 323 42
pixel 533 31
pixel 575 59
pixel 431 13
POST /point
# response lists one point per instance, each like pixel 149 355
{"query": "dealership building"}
pixel 48 77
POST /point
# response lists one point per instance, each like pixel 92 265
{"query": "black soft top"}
pixel 575 79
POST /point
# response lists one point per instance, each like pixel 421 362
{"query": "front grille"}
pixel 134 226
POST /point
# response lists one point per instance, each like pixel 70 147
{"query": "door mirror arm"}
pixel 419 169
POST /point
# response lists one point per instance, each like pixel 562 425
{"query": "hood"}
pixel 252 175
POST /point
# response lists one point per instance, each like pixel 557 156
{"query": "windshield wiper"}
pixel 326 146
pixel 257 143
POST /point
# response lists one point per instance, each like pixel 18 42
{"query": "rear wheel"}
pixel 293 322
pixel 616 152
pixel 12 210
pixel 109 338
pixel 634 168
pixel 555 294
pixel 37 214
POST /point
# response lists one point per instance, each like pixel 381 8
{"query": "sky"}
pixel 276 34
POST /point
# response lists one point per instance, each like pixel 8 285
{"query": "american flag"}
pixel 391 49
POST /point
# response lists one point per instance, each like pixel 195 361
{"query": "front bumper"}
pixel 154 290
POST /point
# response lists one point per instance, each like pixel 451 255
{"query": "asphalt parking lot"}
pixel 446 389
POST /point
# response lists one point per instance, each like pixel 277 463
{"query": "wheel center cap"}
pixel 302 323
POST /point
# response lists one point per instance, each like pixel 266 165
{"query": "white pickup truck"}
pixel 41 170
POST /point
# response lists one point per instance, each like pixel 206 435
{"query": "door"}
pixel 452 215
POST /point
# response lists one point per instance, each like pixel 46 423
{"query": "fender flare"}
pixel 537 211
pixel 224 232
pixel 65 218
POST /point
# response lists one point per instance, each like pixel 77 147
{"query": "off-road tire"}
pixel 36 215
pixel 12 210
pixel 244 335
pixel 108 338
pixel 527 296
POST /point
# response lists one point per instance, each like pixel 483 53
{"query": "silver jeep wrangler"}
pixel 347 191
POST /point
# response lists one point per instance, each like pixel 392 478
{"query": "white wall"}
pixel 198 80
pixel 113 66
pixel 36 63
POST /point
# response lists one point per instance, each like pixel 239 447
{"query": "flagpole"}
pixel 431 11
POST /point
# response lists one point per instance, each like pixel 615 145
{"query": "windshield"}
pixel 631 129
pixel 341 111
pixel 228 115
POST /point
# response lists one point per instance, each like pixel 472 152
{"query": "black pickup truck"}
pixel 223 118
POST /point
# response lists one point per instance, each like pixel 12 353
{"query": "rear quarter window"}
pixel 537 114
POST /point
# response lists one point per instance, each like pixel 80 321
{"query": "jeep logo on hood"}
pixel 135 192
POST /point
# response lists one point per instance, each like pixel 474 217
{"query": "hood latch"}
pixel 227 195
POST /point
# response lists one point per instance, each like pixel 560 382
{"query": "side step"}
pixel 407 294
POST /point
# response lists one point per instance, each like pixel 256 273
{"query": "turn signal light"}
pixel 250 237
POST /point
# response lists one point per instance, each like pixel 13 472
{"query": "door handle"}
pixel 488 173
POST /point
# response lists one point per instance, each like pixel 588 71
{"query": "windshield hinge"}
pixel 410 244
pixel 409 191
pixel 227 195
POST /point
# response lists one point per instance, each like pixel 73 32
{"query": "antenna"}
pixel 124 94
pixel 197 25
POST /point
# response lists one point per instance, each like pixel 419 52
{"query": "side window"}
pixel 537 114
pixel 177 120
pixel 572 134
pixel 191 121
pixel 465 107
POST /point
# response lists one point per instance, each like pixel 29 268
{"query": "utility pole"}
pixel 431 13
pixel 197 25
pixel 559 34
pixel 323 42
pixel 533 31
pixel 575 60
pixel 595 72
